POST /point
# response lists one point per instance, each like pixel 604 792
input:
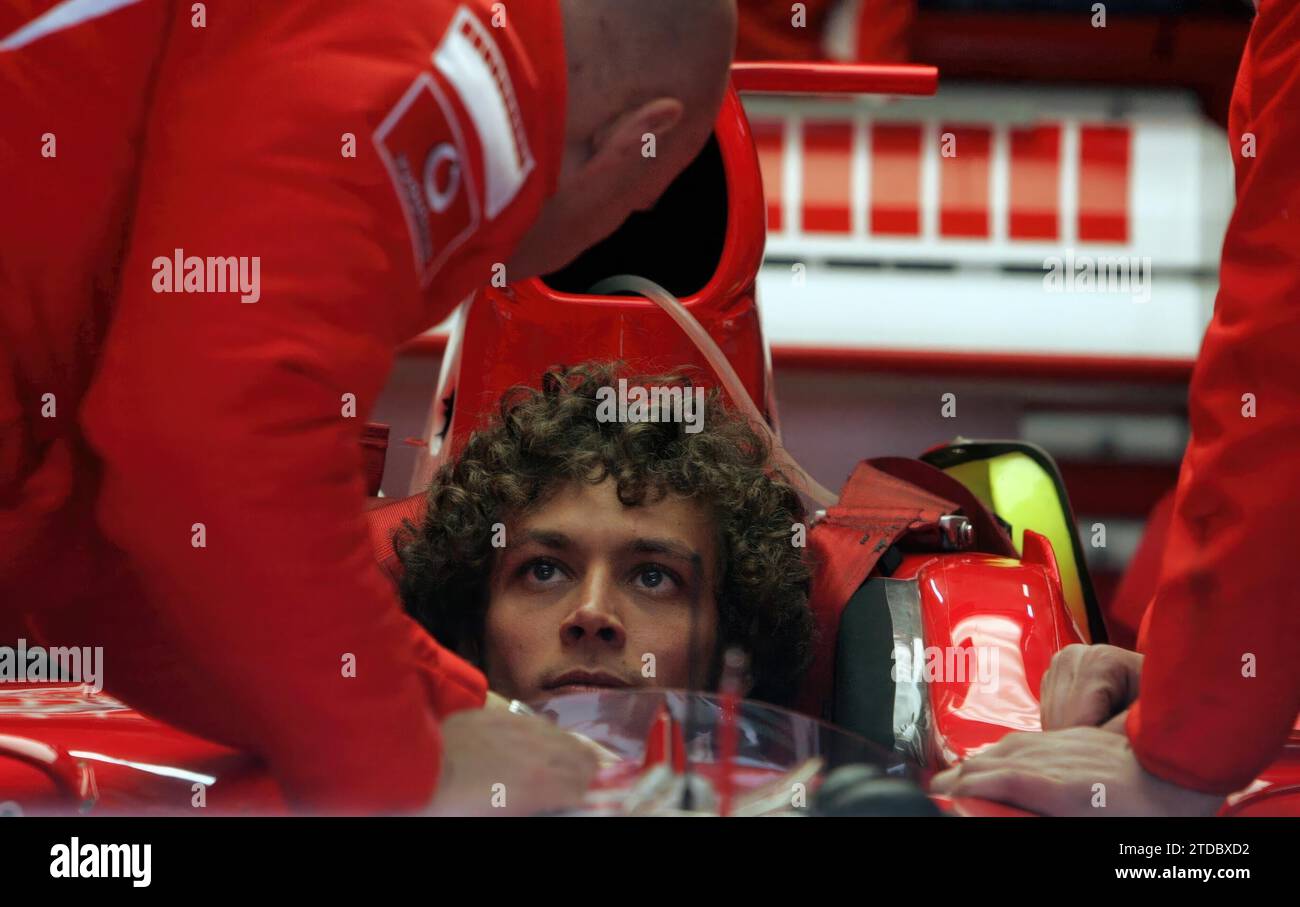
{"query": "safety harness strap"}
pixel 885 501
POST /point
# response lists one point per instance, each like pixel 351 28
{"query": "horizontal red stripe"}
pixel 1073 369
pixel 1070 369
pixel 836 78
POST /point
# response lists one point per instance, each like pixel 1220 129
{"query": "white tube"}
pixel 731 382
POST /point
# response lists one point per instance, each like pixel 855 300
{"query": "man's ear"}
pixel 627 136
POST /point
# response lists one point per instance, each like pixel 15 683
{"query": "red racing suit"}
pixel 1220 687
pixel 219 221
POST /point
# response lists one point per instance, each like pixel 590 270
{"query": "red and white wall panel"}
pixel 929 224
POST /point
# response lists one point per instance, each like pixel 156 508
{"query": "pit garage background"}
pixel 897 273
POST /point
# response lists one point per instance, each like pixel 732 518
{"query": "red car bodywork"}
pixel 64 749
pixel 70 749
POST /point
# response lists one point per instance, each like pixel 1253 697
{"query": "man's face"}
pixel 587 588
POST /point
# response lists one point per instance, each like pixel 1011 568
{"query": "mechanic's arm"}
pixel 229 437
pixel 1221 682
pixel 233 480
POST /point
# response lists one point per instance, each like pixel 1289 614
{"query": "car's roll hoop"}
pixel 835 78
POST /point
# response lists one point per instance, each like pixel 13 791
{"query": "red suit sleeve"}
pixel 451 683
pixel 1221 683
pixel 227 423
pixel 224 426
pixel 233 480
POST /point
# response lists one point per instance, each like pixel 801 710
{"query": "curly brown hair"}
pixel 540 441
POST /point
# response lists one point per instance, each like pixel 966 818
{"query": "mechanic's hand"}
pixel 603 755
pixel 1076 772
pixel 496 701
pixel 1088 685
pixel 498 763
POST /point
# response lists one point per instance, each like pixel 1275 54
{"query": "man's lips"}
pixel 586 680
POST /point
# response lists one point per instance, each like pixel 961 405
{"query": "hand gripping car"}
pixel 943 585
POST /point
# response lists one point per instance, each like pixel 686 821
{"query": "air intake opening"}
pixel 677 244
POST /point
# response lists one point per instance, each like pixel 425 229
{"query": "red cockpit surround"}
pixel 511 335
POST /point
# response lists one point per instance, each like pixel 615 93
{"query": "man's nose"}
pixel 595 619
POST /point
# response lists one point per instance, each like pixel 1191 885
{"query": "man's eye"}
pixel 652 577
pixel 542 571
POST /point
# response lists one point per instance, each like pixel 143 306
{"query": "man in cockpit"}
pixel 576 546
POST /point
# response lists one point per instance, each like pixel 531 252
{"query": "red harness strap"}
pixel 884 500
pixel 989 534
pixel 384 520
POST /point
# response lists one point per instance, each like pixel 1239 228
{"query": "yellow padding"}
pixel 1022 492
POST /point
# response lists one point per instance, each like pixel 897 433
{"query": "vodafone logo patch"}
pixel 424 149
pixel 421 144
pixel 442 177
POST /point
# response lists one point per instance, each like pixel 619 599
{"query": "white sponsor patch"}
pixel 472 62
pixel 423 147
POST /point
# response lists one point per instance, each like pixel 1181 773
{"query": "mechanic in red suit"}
pixel 220 220
pixel 1220 682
